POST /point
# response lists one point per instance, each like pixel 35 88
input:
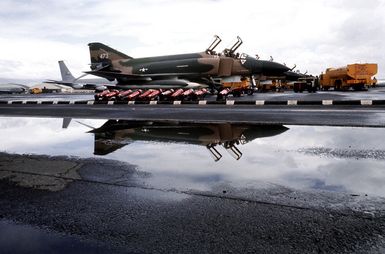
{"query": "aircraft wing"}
pixel 52 81
pixel 150 81
pixel 113 75
pixel 150 84
pixel 86 86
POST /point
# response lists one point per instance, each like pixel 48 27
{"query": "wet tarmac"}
pixel 130 187
pixel 323 115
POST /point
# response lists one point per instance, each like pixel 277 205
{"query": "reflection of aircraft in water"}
pixel 115 134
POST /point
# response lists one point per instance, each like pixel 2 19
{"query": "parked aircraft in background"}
pixel 98 84
pixel 11 88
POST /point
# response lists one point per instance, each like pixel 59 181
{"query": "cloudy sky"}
pixel 314 35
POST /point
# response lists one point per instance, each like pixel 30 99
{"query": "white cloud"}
pixel 312 34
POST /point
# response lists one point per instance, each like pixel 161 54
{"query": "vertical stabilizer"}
pixel 102 55
pixel 66 75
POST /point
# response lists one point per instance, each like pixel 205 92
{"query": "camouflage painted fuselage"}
pixel 196 67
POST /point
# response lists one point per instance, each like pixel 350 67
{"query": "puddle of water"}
pixel 184 156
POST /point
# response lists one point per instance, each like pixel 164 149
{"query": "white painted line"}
pixel 327 102
pixel 24 102
pixel 292 102
pixel 54 102
pixel 110 103
pixel 259 103
pixel 230 102
pixel 90 102
pixel 202 102
pixel 38 102
pixel 72 102
pixel 153 102
pixel 177 102
pixel 9 102
pixel 366 102
pixel 131 102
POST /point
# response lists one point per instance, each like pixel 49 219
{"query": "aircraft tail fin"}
pixel 66 122
pixel 102 55
pixel 66 75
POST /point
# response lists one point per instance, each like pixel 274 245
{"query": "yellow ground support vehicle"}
pixel 239 88
pixel 35 90
pixel 356 76
pixel 268 85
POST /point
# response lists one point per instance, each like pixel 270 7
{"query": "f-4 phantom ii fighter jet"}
pixel 185 70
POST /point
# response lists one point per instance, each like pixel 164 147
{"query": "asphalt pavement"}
pixel 340 115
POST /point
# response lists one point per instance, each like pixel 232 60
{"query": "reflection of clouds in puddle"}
pixel 45 136
pixel 269 160
pixel 334 137
pixel 358 176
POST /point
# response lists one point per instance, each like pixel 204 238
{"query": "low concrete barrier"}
pixel 363 102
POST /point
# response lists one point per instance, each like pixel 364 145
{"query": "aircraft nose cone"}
pixel 273 68
pixel 266 68
pixel 293 76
